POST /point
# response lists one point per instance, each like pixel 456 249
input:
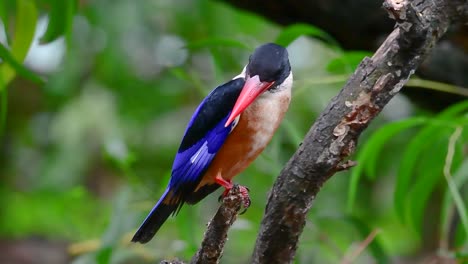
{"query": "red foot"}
pixel 227 184
pixel 244 191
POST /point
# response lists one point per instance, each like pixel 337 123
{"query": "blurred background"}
pixel 95 96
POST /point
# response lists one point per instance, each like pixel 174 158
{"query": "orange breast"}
pixel 256 127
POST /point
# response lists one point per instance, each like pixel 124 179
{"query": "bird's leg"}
pixel 245 197
pixel 227 184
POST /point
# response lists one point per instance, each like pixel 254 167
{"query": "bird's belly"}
pixel 255 128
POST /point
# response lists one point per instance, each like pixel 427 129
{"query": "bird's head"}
pixel 267 69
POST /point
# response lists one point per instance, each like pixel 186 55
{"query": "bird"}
pixel 227 132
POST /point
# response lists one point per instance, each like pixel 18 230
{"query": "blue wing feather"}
pixel 204 136
pixel 190 164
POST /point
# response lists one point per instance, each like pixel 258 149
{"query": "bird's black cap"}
pixel 270 62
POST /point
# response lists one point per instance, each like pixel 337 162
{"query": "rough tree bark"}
pixel 212 246
pixel 333 137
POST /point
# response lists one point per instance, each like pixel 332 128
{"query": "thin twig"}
pixel 438 86
pixel 349 258
pixel 451 184
pixel 212 246
pixel 414 82
pixel 83 247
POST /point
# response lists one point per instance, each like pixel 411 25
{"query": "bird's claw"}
pixel 224 194
pixel 244 192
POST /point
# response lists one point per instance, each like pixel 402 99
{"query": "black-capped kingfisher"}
pixel 228 130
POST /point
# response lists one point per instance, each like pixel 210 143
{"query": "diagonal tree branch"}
pixel 333 137
pixel 212 246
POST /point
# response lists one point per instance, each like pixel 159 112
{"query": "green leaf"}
pixel 380 138
pixel 368 156
pixel 291 33
pixel 60 19
pixel 6 9
pixel 406 172
pixel 421 142
pixel 25 25
pixel 4 12
pixel 428 172
pixel 456 109
pixel 7 57
pixel 57 21
pixel 347 62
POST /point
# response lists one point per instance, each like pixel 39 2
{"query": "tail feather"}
pixel 158 215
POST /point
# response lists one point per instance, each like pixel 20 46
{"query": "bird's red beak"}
pixel 253 87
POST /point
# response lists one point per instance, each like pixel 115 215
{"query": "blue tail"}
pixel 155 219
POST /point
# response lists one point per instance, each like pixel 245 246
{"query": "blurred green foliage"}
pixel 90 127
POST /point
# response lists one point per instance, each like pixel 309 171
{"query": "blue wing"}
pixel 204 136
pixel 190 164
